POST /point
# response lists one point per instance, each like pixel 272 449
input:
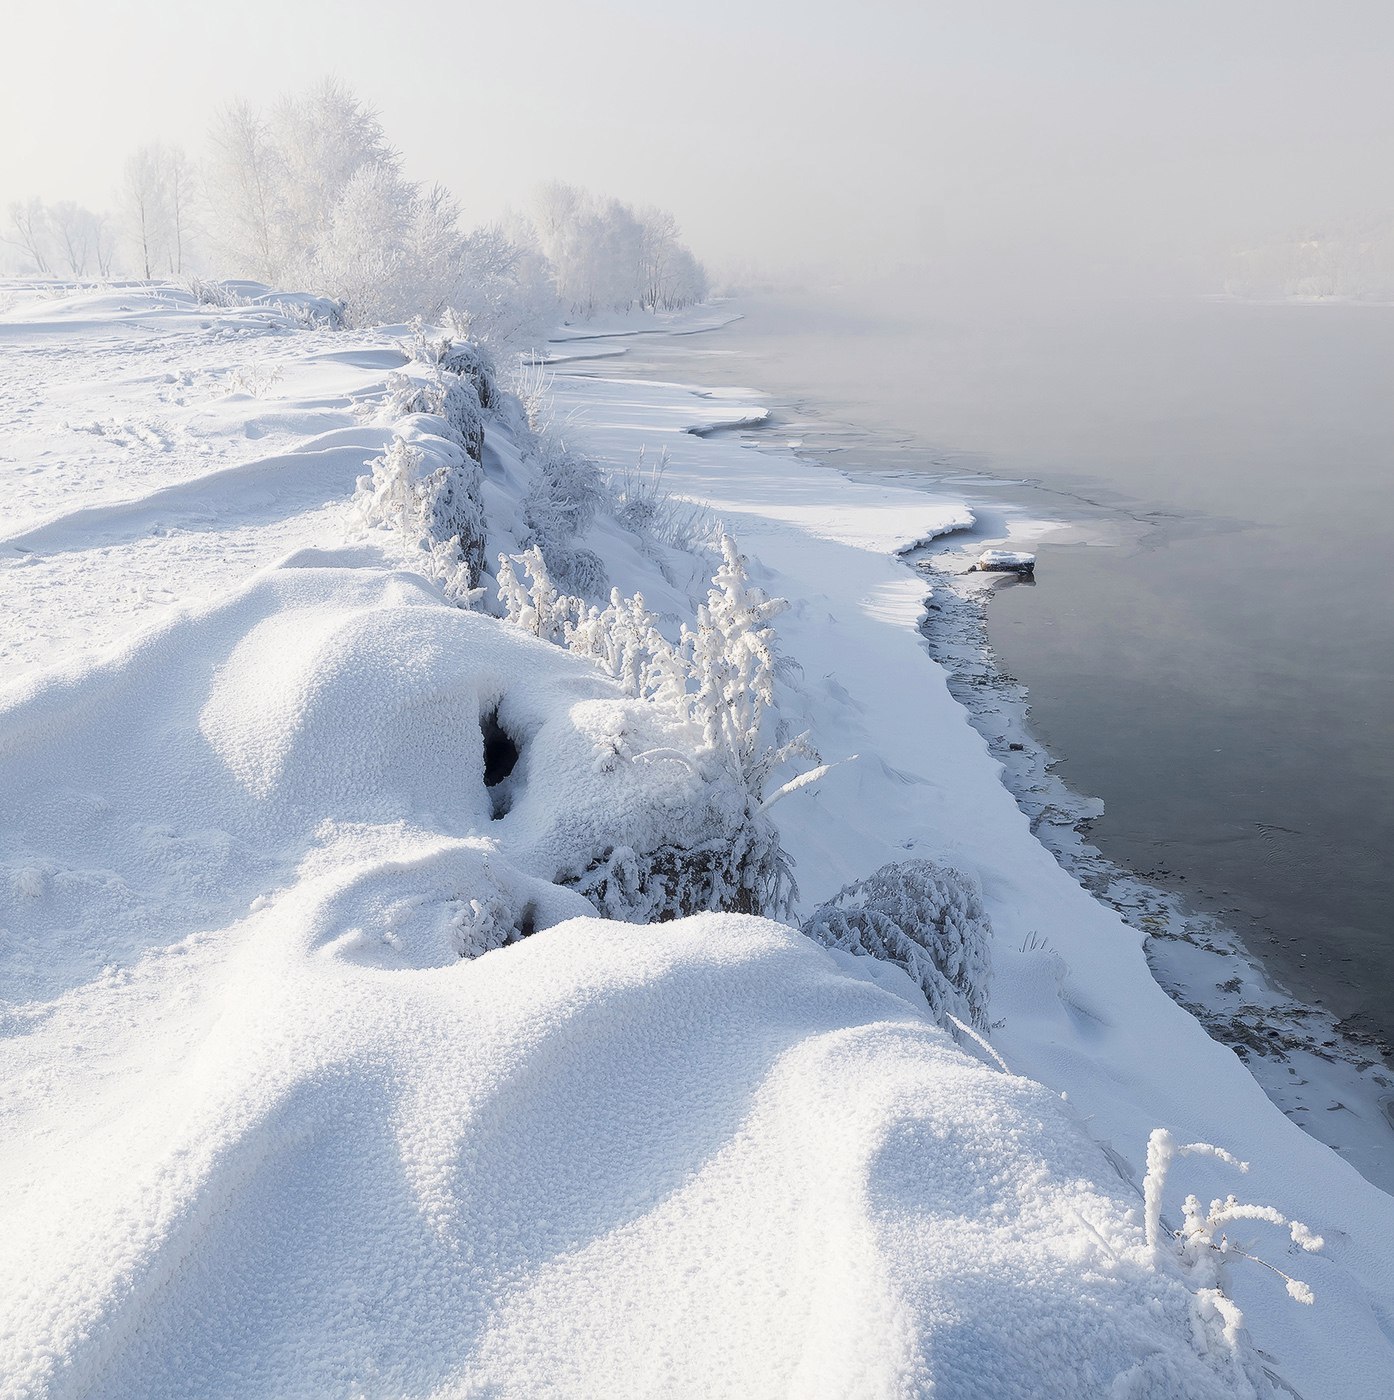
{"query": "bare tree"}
pixel 146 199
pixel 29 232
pixel 72 227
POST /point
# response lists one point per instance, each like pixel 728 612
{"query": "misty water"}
pixel 1210 644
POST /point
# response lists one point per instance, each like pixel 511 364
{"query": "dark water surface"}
pixel 1220 670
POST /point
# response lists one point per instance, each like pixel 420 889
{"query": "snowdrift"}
pixel 269 1132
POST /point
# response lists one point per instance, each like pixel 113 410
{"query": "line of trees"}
pixel 1354 259
pixel 310 194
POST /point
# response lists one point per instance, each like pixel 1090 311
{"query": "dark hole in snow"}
pixel 500 752
pixel 500 758
pixel 527 921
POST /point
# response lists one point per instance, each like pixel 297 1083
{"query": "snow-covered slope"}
pixel 266 1131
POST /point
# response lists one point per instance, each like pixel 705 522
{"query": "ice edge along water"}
pixel 881 1207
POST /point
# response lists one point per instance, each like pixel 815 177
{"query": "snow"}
pixel 1006 561
pixel 266 1129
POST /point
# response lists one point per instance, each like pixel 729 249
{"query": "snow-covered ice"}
pixel 1008 561
pixel 266 1131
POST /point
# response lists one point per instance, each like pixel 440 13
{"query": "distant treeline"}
pixel 309 194
pixel 1354 261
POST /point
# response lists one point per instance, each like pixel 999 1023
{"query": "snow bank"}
pixel 267 1129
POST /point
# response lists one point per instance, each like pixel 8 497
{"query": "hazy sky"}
pixel 1041 134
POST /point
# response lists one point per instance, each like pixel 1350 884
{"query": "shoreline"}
pixel 1306 1061
pixel 1331 1080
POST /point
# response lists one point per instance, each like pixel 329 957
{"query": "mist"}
pixel 940 148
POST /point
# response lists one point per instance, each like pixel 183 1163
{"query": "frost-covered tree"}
pixel 74 230
pixel 29 232
pixel 669 274
pixel 242 180
pixel 145 200
pixel 180 193
pixel 391 250
pixel 323 139
pixel 64 237
pixel 505 293
pixel 606 256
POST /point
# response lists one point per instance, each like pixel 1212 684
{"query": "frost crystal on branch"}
pixel 1202 1244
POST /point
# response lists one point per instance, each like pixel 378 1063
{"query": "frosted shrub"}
pixel 1202 1243
pixel 535 605
pixel 732 665
pixel 741 869
pixel 475 365
pixel 717 683
pixel 927 918
pixel 559 507
pixel 580 571
pixel 625 642
pixel 566 493
pixel 446 396
pixel 430 503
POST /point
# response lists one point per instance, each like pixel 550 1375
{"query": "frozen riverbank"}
pixel 267 1122
pixel 1210 649
pixel 1087 1014
pixel 1099 555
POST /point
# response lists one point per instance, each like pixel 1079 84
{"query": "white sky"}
pixel 954 134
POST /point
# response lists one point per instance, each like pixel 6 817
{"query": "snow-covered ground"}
pixel 265 1131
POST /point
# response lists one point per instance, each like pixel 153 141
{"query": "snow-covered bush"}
pixel 431 493
pixel 928 918
pixel 624 640
pixel 732 656
pixel 559 507
pixel 446 396
pixel 737 871
pixel 717 684
pixel 473 363
pixel 534 603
